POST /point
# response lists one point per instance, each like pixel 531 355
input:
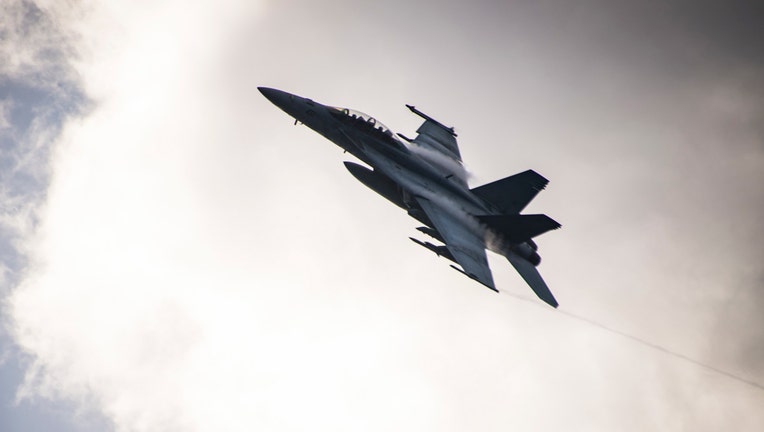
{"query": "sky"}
pixel 176 255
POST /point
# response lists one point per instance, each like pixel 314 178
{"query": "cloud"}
pixel 194 263
pixel 37 93
pixel 5 111
pixel 36 46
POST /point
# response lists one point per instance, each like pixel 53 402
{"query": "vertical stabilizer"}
pixel 510 195
pixel 533 278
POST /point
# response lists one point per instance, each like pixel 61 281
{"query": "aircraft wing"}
pixel 467 249
pixel 436 143
pixel 436 136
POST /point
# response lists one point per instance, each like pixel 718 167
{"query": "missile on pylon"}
pixel 431 232
pixel 441 251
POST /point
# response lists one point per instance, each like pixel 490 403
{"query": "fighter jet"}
pixel 425 177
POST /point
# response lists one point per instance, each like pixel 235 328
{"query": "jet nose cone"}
pixel 277 97
pixel 303 110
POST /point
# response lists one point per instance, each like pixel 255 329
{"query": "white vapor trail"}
pixel 441 160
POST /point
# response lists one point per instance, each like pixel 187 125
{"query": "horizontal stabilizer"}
pixel 533 278
pixel 519 228
pixel 510 195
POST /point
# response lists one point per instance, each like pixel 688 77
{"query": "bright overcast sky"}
pixel 176 255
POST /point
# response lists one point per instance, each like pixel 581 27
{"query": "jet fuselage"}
pixel 378 147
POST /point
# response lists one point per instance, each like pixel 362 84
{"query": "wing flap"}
pixel 474 278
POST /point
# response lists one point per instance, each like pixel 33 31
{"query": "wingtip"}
pixel 490 287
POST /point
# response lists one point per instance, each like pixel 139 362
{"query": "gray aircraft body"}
pixel 425 177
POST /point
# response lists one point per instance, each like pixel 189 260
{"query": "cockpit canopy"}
pixel 359 116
